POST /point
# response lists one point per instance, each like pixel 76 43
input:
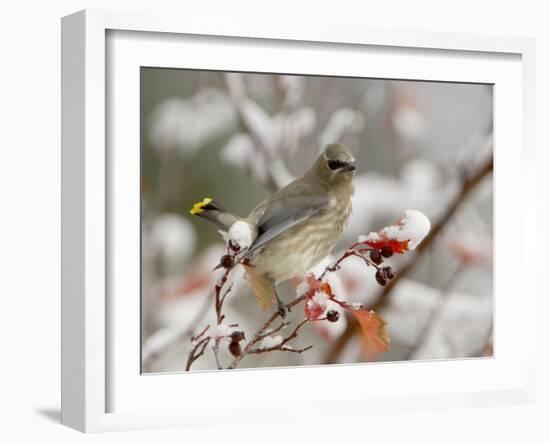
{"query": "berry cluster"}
pixel 383 274
pixel 377 256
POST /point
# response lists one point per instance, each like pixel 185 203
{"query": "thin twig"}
pixel 347 254
pixel 282 325
pixel 196 352
pixel 201 334
pixel 281 348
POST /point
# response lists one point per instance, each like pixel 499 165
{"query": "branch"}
pixel 469 183
pixel 254 345
pixel 314 308
pixel 219 300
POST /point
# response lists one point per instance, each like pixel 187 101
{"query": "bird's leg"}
pixel 280 305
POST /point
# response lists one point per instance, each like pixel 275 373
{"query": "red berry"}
pixel 226 261
pixel 333 316
pixel 388 272
pixel 235 348
pixel 386 251
pixel 237 336
pixel 381 277
pixel 375 256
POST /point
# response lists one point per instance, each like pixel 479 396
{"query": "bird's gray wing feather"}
pixel 277 220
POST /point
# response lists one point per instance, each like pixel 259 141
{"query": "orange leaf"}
pixel 375 335
pixel 315 284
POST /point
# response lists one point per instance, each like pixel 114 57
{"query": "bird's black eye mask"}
pixel 338 164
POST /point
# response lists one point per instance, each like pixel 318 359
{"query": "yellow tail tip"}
pixel 198 207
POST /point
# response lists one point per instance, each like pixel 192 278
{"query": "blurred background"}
pixel 238 137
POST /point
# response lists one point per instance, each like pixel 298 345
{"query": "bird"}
pixel 295 228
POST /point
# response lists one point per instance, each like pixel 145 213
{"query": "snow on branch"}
pixel 405 235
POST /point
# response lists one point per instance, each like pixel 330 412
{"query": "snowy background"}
pixel 237 137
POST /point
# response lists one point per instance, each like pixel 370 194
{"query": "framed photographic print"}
pixel 252 213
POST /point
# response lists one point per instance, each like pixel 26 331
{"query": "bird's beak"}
pixel 350 167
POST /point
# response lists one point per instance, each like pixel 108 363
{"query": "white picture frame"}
pixel 90 361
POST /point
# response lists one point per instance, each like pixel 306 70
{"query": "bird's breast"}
pixel 305 245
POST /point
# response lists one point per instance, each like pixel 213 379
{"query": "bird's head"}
pixel 336 165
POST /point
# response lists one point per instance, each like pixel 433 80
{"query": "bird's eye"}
pixel 335 164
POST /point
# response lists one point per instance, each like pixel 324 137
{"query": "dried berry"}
pixel 388 272
pixel 375 256
pixel 381 277
pixel 333 316
pixel 386 251
pixel 226 261
pixel 235 349
pixel 237 336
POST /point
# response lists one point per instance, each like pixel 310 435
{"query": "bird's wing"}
pixel 279 218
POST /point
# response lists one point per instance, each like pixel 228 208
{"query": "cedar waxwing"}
pixel 295 228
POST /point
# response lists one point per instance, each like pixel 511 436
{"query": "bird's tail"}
pixel 213 212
